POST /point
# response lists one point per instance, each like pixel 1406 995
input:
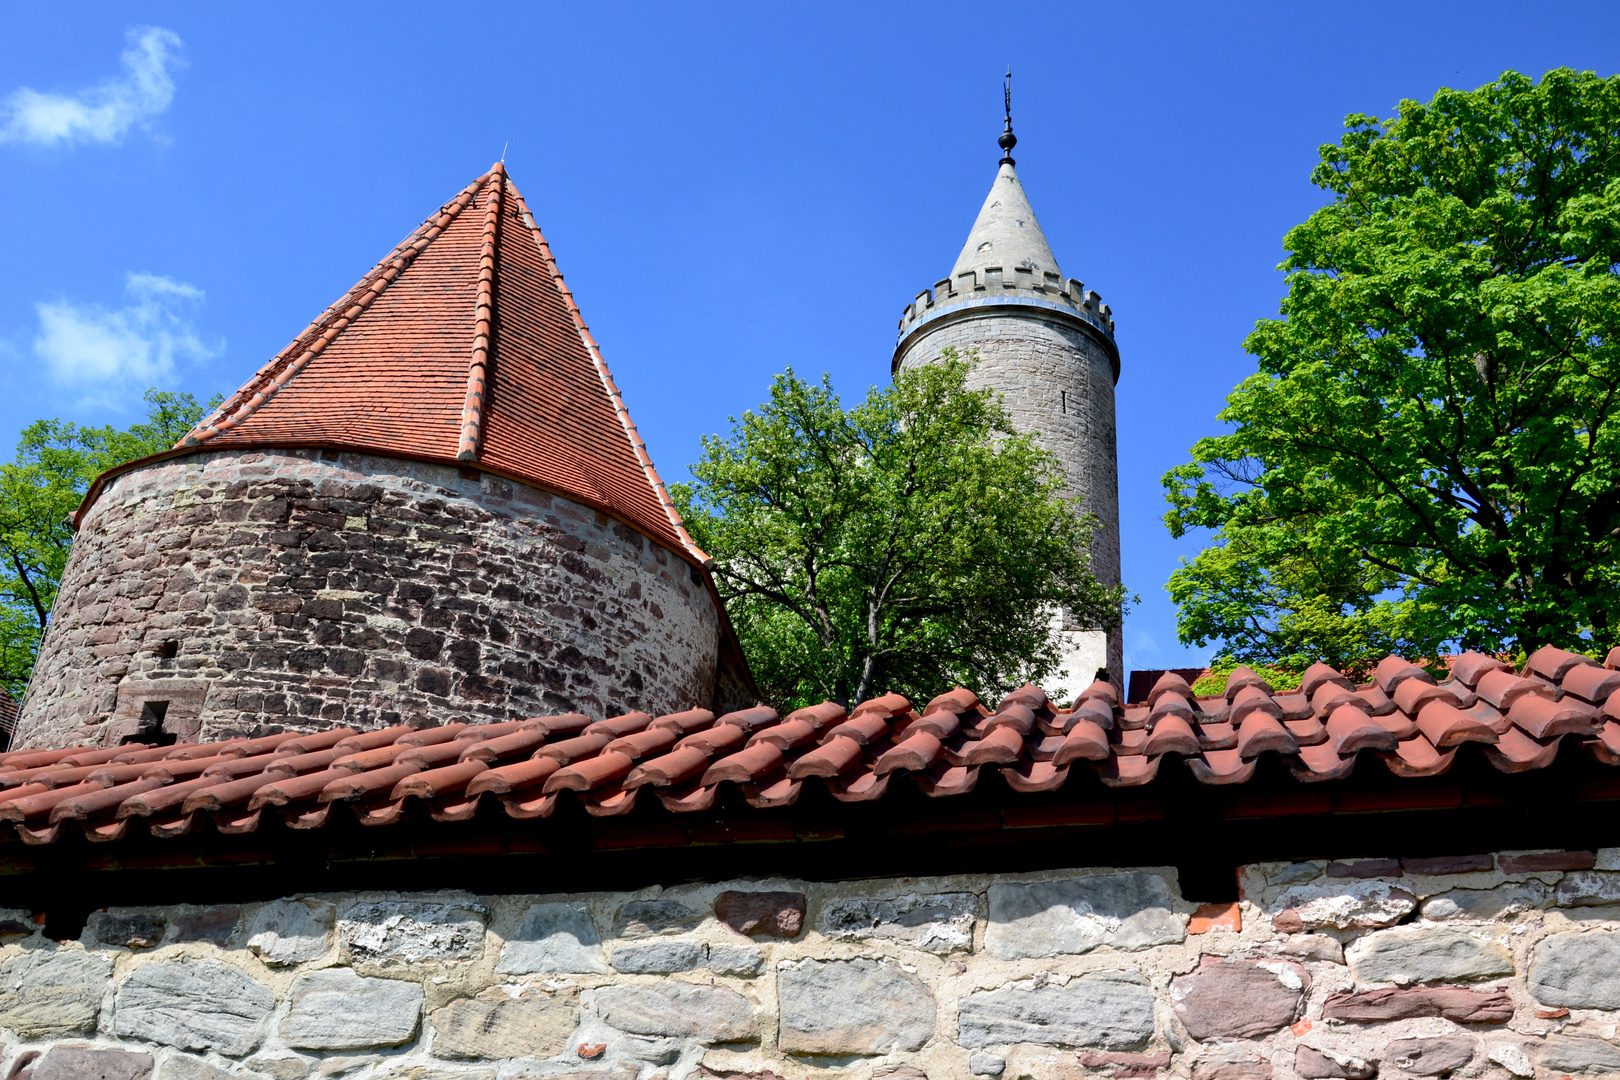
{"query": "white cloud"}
pixel 101 113
pixel 103 354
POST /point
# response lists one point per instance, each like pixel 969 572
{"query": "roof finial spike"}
pixel 507 145
pixel 1008 140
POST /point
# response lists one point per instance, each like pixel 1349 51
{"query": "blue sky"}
pixel 730 190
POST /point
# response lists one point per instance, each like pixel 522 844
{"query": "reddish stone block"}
pixel 1449 864
pixel 1367 868
pixel 1547 860
pixel 774 914
pixel 1126 1066
pixel 1448 1002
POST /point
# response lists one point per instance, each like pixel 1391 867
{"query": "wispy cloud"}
pixel 102 113
pixel 105 354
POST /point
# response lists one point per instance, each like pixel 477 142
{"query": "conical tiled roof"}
pixel 1006 233
pixel 462 346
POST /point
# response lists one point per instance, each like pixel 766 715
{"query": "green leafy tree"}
pixel 39 491
pixel 911 543
pixel 1427 456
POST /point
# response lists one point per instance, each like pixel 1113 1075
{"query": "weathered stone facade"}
pixel 229 591
pixel 1506 967
pixel 1057 383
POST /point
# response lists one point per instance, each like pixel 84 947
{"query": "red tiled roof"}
pixel 462 345
pixel 1412 724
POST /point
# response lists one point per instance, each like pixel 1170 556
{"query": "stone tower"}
pixel 430 506
pixel 1046 344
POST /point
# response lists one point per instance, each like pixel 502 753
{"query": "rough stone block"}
pixel 773 914
pixel 1438 1056
pixel 1232 1063
pixel 1578 970
pixel 986 1064
pixel 127 929
pixel 1075 915
pixel 1450 1002
pixel 1110 1009
pixel 1340 905
pixel 48 993
pixel 555 938
pixel 659 957
pixel 291 931
pixel 741 960
pixel 194 1005
pixel 852 1007
pixel 1421 954
pixel 940 923
pixel 403 932
pixel 498 1025
pixel 678 1010
pixel 1582 888
pixel 1569 1054
pixel 1482 904
pixel 186 1067
pixel 1238 999
pixel 336 1009
pixel 1313 1064
pixel 1511 1057
pixel 213 924
pixel 92 1063
pixel 646 918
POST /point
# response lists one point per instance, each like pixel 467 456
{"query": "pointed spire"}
pixel 1006 233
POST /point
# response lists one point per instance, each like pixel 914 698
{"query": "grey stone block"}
pixel 291 931
pixel 1430 1057
pixel 194 1005
pixel 1421 954
pixel 186 1067
pixel 1568 1054
pixel 742 960
pixel 92 1063
pixel 1112 1010
pixel 213 924
pixel 497 1025
pixel 554 938
pixel 1075 915
pixel 659 957
pixel 645 918
pixel 48 993
pixel 985 1064
pixel 1582 888
pixel 678 1010
pixel 127 929
pixel 1508 899
pixel 940 923
pixel 402 932
pixel 852 1007
pixel 1580 971
pixel 336 1009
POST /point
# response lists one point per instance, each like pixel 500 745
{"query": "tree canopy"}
pixel 911 543
pixel 39 491
pixel 1428 454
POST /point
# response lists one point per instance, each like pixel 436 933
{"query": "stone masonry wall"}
pixel 1477 967
pixel 308 589
pixel 1058 385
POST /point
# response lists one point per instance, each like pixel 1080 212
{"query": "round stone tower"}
pixel 1046 343
pixel 431 506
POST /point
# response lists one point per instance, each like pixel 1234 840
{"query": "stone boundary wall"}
pixel 302 590
pixel 1490 966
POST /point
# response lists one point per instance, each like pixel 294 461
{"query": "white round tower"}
pixel 1046 344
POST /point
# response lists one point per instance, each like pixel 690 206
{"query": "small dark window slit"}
pixel 1063 397
pixel 168 650
pixel 151 731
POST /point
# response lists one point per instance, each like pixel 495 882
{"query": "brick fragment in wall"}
pixel 307 593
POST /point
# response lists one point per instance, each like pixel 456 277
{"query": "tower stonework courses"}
pixel 1046 344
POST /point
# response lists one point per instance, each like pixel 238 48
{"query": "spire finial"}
pixel 1008 140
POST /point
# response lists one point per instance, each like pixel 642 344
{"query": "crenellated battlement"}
pixel 1020 281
